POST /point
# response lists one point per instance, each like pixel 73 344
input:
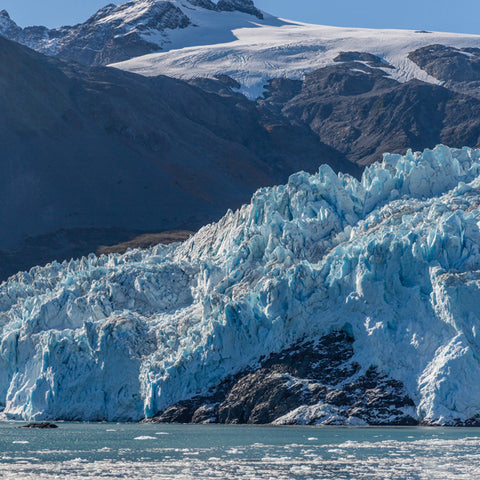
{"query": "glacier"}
pixel 263 51
pixel 394 259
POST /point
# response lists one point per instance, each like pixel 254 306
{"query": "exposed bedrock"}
pixel 308 383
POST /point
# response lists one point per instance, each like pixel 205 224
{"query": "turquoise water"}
pixel 174 452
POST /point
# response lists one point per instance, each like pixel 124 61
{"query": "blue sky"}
pixel 443 15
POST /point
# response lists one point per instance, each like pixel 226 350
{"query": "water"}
pixel 174 452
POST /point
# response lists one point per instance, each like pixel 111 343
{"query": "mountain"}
pixel 102 153
pixel 361 91
pixel 325 300
pixel 199 38
pixel 138 27
pixel 361 112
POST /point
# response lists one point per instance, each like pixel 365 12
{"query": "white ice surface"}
pixel 394 259
pixel 277 49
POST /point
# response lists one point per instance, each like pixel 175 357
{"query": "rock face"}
pixel 448 63
pixel 325 300
pixel 360 111
pixel 308 383
pixel 245 6
pixel 457 68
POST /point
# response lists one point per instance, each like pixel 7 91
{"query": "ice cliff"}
pixel 394 260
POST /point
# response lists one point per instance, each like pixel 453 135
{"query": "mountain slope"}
pixel 371 289
pixel 361 112
pixel 100 148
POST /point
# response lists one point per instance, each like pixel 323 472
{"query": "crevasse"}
pixel 394 258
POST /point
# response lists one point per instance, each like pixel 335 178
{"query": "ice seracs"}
pixel 393 259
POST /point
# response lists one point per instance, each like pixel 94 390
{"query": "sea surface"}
pixel 150 452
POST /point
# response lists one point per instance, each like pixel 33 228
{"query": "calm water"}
pixel 114 451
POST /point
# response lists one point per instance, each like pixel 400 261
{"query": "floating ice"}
pixel 394 259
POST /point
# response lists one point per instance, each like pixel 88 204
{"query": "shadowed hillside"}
pixel 97 148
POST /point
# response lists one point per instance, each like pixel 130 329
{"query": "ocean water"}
pixel 174 452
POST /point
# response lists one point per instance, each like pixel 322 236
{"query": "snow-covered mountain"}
pixel 378 276
pixel 292 50
pixel 348 86
pixel 121 32
pixel 361 91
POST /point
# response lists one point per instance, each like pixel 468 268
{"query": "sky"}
pixel 461 16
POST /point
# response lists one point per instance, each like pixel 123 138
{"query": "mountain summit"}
pixel 120 32
pixel 8 28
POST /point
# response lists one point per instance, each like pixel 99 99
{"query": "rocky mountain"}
pixel 120 32
pixel 102 155
pixel 457 68
pixel 326 300
pixel 361 112
pixel 363 92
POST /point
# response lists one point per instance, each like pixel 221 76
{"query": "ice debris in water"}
pixel 394 259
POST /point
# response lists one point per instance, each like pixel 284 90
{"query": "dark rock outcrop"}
pixel 41 425
pixel 361 112
pixel 448 63
pixel 207 4
pixel 372 60
pixel 320 375
pixel 245 6
pixel 457 68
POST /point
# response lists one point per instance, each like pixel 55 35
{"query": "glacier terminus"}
pixel 389 264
